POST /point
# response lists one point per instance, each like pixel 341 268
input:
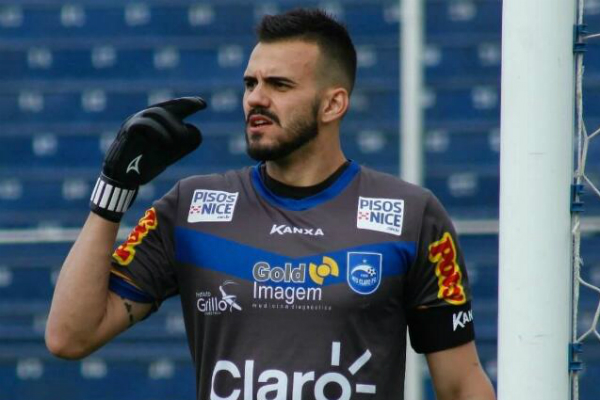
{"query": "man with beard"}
pixel 299 276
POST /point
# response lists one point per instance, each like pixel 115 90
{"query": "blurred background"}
pixel 71 72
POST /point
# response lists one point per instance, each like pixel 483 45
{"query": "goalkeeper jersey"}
pixel 301 298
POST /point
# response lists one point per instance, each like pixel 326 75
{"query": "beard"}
pixel 301 130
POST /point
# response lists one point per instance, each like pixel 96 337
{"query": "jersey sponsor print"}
pixel 443 253
pixel 273 383
pixel 212 206
pixel 217 303
pixel 383 215
pixel 125 252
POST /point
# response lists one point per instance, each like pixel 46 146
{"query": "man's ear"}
pixel 334 104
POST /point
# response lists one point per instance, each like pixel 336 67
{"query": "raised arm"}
pixel 84 314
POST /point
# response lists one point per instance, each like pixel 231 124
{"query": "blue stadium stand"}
pixel 139 20
pixel 122 62
pixel 71 73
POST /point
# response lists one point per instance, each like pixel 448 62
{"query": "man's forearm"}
pixel 80 296
pixel 478 388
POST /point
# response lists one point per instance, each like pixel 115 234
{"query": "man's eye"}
pixel 280 85
pixel 249 84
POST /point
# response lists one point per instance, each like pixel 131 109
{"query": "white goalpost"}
pixel 411 149
pixel 536 171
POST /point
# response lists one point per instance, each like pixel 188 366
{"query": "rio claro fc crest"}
pixel 364 272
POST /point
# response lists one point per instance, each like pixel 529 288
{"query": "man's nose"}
pixel 257 97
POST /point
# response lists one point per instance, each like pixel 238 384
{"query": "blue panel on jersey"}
pixel 127 290
pixel 304 204
pixel 253 264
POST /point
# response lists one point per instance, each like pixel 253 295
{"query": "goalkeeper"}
pixel 299 276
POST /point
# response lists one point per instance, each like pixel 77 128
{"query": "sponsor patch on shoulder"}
pixel 212 206
pixel 379 214
pixel 444 255
pixel 125 253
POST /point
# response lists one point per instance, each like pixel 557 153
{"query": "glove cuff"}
pixel 110 199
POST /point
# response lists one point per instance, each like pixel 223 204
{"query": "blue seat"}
pixel 378 65
pixel 27 283
pixel 462 64
pixel 455 21
pixel 467 194
pixel 369 19
pixel 24 151
pixel 463 105
pixel 447 149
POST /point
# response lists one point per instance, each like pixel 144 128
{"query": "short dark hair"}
pixel 316 26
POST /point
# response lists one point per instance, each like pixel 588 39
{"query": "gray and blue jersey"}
pixel 301 298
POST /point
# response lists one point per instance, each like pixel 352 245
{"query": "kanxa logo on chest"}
pixel 294 230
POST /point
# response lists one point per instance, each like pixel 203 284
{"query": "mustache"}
pixel 265 113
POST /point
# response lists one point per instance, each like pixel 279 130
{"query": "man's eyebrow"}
pixel 279 79
pixel 271 79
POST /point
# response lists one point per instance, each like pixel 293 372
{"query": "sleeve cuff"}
pixel 440 328
pixel 128 291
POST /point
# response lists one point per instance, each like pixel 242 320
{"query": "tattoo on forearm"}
pixel 128 307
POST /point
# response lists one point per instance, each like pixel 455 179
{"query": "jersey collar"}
pixel 308 202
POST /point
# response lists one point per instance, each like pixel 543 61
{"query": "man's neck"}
pixel 306 167
pixel 300 192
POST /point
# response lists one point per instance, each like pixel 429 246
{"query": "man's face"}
pixel 281 100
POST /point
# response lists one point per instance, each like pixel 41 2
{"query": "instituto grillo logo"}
pixel 209 304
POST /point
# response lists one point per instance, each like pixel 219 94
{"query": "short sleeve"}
pixel 438 299
pixel 143 266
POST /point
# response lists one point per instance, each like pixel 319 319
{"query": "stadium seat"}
pixel 466 194
pixel 462 64
pixel 447 149
pixel 462 106
pixel 461 21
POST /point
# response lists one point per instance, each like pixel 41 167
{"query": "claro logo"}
pixel 234 383
pixel 443 254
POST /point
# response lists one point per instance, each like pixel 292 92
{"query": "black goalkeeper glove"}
pixel 147 143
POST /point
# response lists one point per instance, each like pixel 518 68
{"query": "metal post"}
pixel 411 91
pixel 535 177
pixel 411 149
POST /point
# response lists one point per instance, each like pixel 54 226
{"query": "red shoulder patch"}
pixel 125 253
pixel 443 254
